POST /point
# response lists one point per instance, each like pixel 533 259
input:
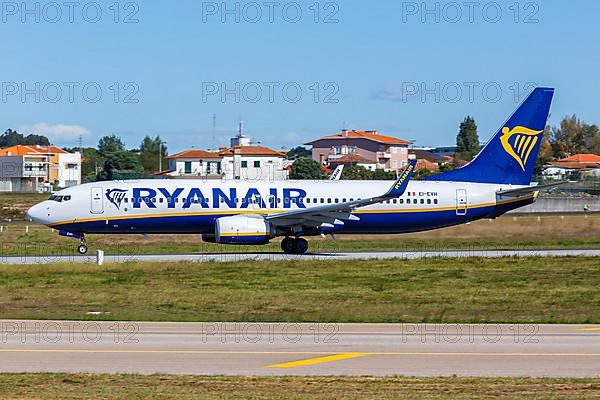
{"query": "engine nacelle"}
pixel 242 229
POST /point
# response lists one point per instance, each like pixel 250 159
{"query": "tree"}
pixel 359 173
pixel 13 138
pixel 467 140
pixel 545 154
pixel 298 152
pixel 109 145
pixel 355 173
pixel 306 168
pixel 150 150
pixel 115 158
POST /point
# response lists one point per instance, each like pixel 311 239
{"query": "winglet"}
pixel 402 183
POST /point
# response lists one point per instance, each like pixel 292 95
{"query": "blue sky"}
pixel 367 61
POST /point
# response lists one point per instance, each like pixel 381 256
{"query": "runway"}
pixel 300 349
pixel 242 256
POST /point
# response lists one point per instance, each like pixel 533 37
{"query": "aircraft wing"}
pixel 529 189
pixel 331 214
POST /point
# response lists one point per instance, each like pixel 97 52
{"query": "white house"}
pixel 38 168
pixel 253 162
pixel 239 162
pixel 195 163
pixel 583 164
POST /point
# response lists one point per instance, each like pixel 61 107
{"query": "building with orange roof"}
pixel 26 168
pixel 583 164
pixel 194 163
pixel 238 162
pixel 351 160
pixel 386 152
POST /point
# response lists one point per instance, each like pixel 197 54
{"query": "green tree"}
pixel 445 168
pixel 467 140
pixel 298 152
pixel 150 151
pixel 116 159
pixel 109 145
pixel 91 162
pixel 13 138
pixel 592 138
pixel 306 168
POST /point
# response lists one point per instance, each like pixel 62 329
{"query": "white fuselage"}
pixel 192 206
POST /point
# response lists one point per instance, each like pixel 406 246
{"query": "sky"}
pixel 292 71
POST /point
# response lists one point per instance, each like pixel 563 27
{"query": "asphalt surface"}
pixel 300 349
pixel 230 257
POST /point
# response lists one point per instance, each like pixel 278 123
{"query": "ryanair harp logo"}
pixel 518 142
pixel 116 196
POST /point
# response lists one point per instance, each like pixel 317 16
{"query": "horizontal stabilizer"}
pixel 529 189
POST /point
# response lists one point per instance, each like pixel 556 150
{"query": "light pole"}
pixel 160 145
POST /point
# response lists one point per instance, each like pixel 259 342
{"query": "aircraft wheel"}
pixel 300 246
pixel 82 249
pixel 287 245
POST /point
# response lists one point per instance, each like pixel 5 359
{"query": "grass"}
pixel 508 232
pixel 63 386
pixel 14 206
pixel 510 290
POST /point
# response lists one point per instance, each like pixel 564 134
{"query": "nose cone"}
pixel 38 213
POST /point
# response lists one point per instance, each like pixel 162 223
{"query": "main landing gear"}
pixel 294 245
pixel 82 248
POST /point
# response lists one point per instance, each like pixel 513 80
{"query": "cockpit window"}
pixel 60 199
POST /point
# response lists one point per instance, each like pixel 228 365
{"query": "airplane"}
pixel 241 212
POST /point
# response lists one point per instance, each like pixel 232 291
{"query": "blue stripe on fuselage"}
pixel 372 223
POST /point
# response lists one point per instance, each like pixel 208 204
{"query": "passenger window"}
pixel 428 201
pixel 329 201
pixel 435 201
pixel 322 200
pixel 395 201
pixel 422 201
pixel 414 201
pixel 337 201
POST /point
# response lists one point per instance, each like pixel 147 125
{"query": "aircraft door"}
pixel 97 206
pixel 461 202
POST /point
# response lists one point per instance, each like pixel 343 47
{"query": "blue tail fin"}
pixel 510 156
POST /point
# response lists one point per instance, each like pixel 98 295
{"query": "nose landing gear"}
pixel 294 245
pixel 82 248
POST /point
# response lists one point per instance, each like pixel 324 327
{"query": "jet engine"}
pixel 243 229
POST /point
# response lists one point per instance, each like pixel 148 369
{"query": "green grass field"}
pixel 511 290
pixel 503 233
pixel 47 386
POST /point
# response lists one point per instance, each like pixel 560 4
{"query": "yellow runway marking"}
pixel 319 360
pixel 588 329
